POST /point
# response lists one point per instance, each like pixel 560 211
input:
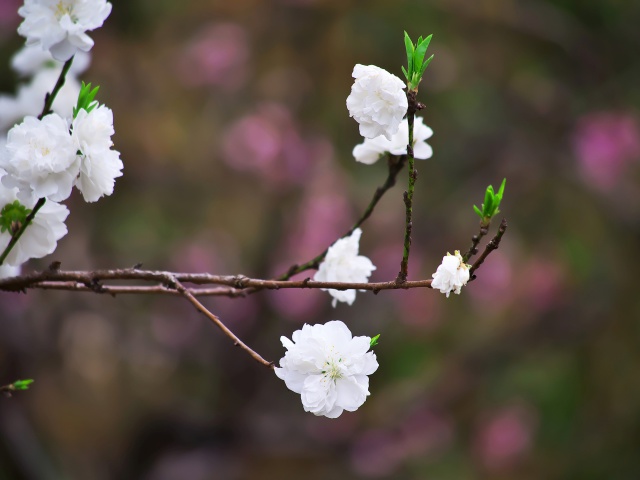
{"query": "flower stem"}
pixel 50 97
pixel 408 195
pixel 16 236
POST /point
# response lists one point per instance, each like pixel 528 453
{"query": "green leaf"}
pixel 12 216
pixel 425 65
pixel 478 211
pixel 406 74
pixel 86 99
pixel 501 190
pixel 374 341
pixel 410 49
pixel 22 384
pixel 487 206
pixel 421 50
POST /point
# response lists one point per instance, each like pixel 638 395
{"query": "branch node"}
pixel 55 266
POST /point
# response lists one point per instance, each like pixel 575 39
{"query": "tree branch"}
pixel 491 246
pixel 475 240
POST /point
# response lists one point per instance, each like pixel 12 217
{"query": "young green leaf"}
pixel 12 216
pixel 478 211
pixel 410 49
pixel 374 341
pixel 22 384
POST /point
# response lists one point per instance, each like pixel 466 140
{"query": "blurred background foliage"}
pixel 232 124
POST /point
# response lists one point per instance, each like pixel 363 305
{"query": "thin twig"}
pixel 395 163
pixel 475 240
pixel 218 323
pixel 491 246
pixel 50 97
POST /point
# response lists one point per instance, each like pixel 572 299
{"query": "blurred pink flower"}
pixel 493 290
pixel 505 437
pixel 605 143
pixel 218 56
pixel 545 283
pixel 380 453
pixel 268 144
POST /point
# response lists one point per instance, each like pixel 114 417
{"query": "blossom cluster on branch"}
pixel 68 144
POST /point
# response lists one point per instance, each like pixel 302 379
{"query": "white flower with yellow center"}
pixel 60 26
pixel 328 367
pixel 451 275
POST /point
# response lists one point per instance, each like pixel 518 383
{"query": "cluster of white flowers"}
pixel 60 26
pixel 44 158
pixel 451 275
pixel 370 151
pixel 377 101
pixel 328 367
pixel 343 264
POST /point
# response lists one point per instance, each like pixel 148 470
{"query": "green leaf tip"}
pixel 13 216
pixel 416 64
pixel 374 341
pixel 22 384
pixel 86 99
pixel 491 205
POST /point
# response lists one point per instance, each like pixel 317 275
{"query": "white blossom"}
pixel 41 237
pixel 328 367
pixel 372 149
pixel 29 99
pixel 100 165
pixel 40 159
pixel 451 275
pixel 60 26
pixel 343 264
pixel 31 59
pixel 377 101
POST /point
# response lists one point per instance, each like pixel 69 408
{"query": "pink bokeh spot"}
pixel 604 144
pixel 217 56
pixel 492 290
pixel 505 438
pixel 268 144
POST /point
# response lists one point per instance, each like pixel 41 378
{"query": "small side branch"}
pixel 475 241
pixel 217 322
pixel 395 163
pixel 491 246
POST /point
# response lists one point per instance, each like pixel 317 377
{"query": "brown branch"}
pixel 413 107
pixel 217 322
pixel 238 285
pixel 395 163
pixel 491 246
pixel 475 240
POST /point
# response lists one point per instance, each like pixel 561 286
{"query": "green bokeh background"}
pixel 531 373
